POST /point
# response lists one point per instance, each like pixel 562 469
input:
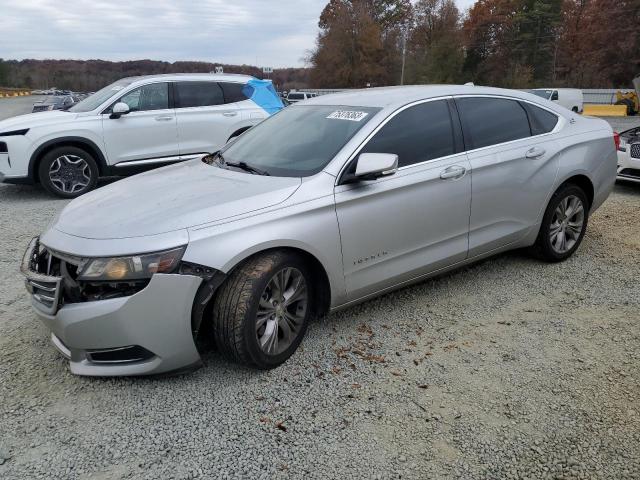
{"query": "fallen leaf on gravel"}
pixel 423 386
pixel 280 426
pixel 265 420
pixel 356 385
pixel 396 373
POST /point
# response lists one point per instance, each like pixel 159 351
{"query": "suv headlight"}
pixel 135 267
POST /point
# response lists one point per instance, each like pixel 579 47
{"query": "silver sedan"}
pixel 330 202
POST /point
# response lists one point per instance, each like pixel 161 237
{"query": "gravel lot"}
pixel 506 369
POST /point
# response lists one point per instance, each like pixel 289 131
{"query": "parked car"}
pixel 60 102
pixel 322 206
pixel 294 97
pixel 629 155
pixel 132 125
pixel 570 98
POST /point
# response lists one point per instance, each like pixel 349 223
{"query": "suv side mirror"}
pixel 119 109
pixel 554 95
pixel 371 166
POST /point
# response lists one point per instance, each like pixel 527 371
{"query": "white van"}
pixel 570 98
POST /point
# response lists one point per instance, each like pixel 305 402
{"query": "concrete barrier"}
pixel 605 110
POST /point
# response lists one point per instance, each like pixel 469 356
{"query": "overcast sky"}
pixel 256 32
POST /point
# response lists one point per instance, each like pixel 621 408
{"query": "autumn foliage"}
pixel 511 43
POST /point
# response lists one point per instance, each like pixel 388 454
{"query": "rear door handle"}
pixel 535 152
pixel 164 118
pixel 453 172
pixel 230 114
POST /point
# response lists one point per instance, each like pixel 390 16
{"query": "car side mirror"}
pixel 371 166
pixel 119 109
pixel 554 96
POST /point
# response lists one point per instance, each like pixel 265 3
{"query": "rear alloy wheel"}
pixel 261 312
pixel 68 172
pixel 563 225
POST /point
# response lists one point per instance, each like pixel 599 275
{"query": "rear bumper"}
pixel 146 333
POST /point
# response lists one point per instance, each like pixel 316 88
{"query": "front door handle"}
pixel 535 152
pixel 164 118
pixel 453 173
pixel 230 114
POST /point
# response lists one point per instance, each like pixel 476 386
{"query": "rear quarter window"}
pixel 233 92
pixel 542 121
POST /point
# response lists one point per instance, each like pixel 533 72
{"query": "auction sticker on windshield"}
pixel 348 115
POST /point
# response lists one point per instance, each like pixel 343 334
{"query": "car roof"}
pixel 175 77
pixel 394 97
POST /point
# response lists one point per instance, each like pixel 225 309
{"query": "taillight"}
pixel 616 140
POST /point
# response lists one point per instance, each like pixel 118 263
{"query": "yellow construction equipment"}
pixel 605 110
pixel 631 100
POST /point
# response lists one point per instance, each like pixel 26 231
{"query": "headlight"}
pixel 135 267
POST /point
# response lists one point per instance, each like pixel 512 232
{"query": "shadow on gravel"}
pixel 628 188
pixel 36 192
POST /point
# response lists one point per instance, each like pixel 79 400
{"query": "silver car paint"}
pixel 369 237
pixel 104 324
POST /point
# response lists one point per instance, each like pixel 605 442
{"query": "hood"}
pixel 31 120
pixel 170 198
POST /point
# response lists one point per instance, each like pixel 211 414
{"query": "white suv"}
pixel 132 125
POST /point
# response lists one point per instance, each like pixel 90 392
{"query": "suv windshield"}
pixel 94 101
pixel 299 141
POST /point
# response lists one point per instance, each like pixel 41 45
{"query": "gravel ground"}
pixel 506 369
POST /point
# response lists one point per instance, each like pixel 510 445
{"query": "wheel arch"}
pixel 582 181
pixel 78 142
pixel 321 281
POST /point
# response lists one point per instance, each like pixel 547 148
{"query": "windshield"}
pixel 300 140
pixel 94 101
pixel 546 94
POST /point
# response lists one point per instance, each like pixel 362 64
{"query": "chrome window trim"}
pixel 561 123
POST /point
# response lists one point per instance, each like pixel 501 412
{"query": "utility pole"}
pixel 404 55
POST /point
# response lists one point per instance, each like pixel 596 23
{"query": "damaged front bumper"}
pixel 149 332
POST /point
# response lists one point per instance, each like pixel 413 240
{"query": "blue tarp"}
pixel 264 95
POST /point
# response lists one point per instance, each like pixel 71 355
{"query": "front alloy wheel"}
pixel 68 171
pixel 261 312
pixel 281 311
pixel 70 174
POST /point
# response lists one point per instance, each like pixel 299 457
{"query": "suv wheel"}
pixel 68 172
pixel 563 225
pixel 261 313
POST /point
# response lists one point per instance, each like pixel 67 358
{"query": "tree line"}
pixel 508 43
pixel 91 75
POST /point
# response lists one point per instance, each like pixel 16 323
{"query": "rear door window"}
pixel 489 121
pixel 198 94
pixel 417 134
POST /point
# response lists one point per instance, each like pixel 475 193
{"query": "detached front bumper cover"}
pixel 149 332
